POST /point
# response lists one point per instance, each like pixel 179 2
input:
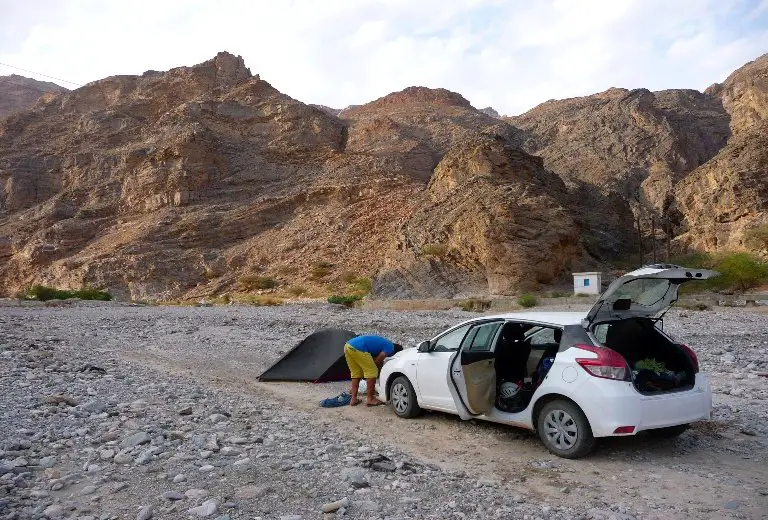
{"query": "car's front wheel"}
pixel 403 398
pixel 564 429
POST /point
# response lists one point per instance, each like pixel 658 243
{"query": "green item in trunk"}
pixel 651 364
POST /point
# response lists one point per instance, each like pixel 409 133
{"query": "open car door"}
pixel 472 370
pixel 647 292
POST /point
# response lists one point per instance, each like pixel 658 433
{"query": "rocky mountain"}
pixel 205 180
pixel 725 199
pixel 184 183
pixel 19 93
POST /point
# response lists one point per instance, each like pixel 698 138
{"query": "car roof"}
pixel 552 318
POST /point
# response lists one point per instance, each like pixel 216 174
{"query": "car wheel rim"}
pixel 561 429
pixel 400 397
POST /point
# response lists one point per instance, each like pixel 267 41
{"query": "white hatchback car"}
pixel 571 376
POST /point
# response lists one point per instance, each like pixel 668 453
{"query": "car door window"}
pixel 450 342
pixel 542 337
pixel 480 337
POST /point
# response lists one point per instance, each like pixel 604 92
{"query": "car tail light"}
pixel 624 429
pixel 608 364
pixel 693 356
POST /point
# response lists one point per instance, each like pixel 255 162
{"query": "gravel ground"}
pixel 115 411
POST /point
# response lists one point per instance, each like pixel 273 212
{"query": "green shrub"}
pixel 43 294
pixel 434 249
pixel 251 283
pixel 739 271
pixel 347 301
pixel 528 300
pixel 557 294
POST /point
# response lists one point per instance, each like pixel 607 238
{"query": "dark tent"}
pixel 319 357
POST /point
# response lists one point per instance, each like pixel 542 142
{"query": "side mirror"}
pixel 424 346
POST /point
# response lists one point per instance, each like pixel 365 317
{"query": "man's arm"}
pixel 379 360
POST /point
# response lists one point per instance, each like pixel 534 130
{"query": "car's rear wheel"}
pixel 403 398
pixel 564 429
pixel 669 432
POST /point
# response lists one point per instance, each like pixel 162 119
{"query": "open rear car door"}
pixel 472 370
pixel 647 292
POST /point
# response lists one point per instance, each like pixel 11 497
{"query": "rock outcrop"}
pixel 627 141
pixel 725 199
pixel 492 220
pixel 18 93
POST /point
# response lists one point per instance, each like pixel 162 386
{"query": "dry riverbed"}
pixel 114 411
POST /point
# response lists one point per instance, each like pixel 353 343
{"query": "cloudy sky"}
pixel 509 54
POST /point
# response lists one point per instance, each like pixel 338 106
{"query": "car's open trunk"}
pixel 658 364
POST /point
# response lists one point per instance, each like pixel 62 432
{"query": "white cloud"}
pixel 507 54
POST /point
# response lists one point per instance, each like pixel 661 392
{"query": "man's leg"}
pixel 355 388
pixel 355 370
pixel 371 400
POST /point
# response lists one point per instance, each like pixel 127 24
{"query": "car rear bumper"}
pixel 627 407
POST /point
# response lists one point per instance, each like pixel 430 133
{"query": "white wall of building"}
pixel 587 283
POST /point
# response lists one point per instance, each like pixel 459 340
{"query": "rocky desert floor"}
pixel 113 411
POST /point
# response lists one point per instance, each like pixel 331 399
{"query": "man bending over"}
pixel 365 355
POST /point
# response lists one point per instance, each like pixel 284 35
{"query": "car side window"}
pixel 481 337
pixel 544 336
pixel 450 342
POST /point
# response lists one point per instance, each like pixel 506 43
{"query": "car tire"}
pixel 565 430
pixel 670 432
pixel 402 396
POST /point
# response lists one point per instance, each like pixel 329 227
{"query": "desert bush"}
pixel 434 249
pixel 259 300
pixel 347 301
pixel 297 290
pixel 363 285
pixel 43 293
pixel 320 270
pixel 475 305
pixel 558 294
pixel 347 277
pixel 251 282
pixel 739 271
pixel 527 300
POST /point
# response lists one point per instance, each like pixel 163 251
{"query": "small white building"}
pixel 587 283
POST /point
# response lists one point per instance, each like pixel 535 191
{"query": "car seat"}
pixel 549 353
pixel 512 353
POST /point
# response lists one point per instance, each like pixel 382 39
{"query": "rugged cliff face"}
pixel 627 142
pixel 18 93
pixel 726 198
pixel 180 183
pixel 491 220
